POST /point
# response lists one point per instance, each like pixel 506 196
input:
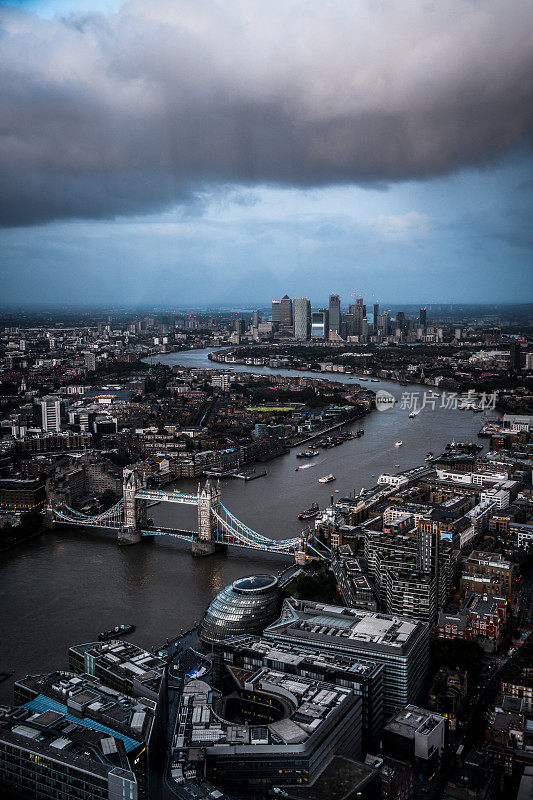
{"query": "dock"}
pixel 490 428
pixel 248 475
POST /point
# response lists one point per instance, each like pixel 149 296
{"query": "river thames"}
pixel 64 587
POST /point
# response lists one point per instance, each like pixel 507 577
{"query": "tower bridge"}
pixel 217 526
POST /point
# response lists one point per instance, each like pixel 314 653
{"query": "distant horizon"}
pixel 247 306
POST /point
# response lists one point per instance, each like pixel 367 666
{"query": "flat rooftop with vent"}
pixel 401 644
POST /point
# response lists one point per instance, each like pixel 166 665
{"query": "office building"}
pixel 422 318
pixel 448 694
pixel 244 607
pixel 20 495
pixel 71 737
pixel 319 324
pixel 400 322
pixel 411 593
pixel 384 323
pixel 342 779
pixel 515 356
pixel 256 319
pixel 415 735
pixel 51 413
pixel 357 313
pixel 400 644
pixel 488 573
pixel 90 362
pixel 334 314
pixel 37 759
pixel 375 319
pixel 520 684
pixel 349 324
pixel 267 729
pixel 302 318
pixel 365 680
pixel 123 666
pixel 286 312
pixel 276 312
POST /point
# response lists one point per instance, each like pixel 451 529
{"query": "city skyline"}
pixel 404 170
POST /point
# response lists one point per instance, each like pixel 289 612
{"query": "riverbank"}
pixel 321 374
pixel 200 359
pixel 21 539
pixel 328 430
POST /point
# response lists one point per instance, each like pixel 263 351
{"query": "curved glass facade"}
pixel 246 606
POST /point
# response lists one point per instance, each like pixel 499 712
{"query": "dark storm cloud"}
pixel 132 112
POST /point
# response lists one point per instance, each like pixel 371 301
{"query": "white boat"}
pixel 326 479
pixel 414 414
pixel 398 444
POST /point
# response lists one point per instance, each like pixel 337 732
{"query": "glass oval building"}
pixel 246 606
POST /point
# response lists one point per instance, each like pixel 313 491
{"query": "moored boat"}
pixel 310 512
pixel 119 630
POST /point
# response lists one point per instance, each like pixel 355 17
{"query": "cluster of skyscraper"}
pixel 295 316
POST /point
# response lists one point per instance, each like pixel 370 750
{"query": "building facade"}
pixel 302 318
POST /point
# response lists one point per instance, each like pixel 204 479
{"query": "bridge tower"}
pixel 204 543
pixel 300 554
pixel 131 483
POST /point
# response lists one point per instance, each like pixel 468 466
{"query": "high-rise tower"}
pixel 302 318
pixel 334 313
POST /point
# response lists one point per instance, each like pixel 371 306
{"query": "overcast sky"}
pixel 229 151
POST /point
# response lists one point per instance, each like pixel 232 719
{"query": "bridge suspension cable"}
pixel 113 515
pixel 241 534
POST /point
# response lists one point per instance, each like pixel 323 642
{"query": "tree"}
pixel 453 653
pixel 108 499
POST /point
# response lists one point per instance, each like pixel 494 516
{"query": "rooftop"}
pixel 255 583
pixel 306 704
pixel 488 559
pixel 369 630
pixel 291 654
pixel 341 777
pixel 83 698
pixel 126 659
pixel 412 720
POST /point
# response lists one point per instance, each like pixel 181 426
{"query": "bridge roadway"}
pixel 283 546
pixel 159 496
